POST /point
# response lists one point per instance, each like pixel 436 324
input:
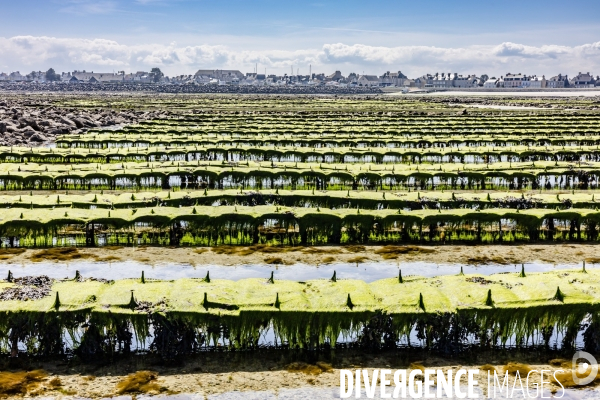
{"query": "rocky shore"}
pixel 35 123
pixel 176 89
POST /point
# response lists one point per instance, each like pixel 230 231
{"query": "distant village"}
pixel 388 79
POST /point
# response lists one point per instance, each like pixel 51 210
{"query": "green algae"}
pixel 313 312
pixel 305 225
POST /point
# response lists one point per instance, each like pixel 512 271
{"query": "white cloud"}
pixel 509 49
pixel 65 54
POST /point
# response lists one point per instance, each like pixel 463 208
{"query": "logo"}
pixel 589 367
pixel 449 383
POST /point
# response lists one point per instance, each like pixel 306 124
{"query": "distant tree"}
pixel 484 78
pixel 156 74
pixel 52 76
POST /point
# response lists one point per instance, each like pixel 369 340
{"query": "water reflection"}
pixel 368 271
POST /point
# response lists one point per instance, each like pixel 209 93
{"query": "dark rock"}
pixel 28 132
pixel 79 123
pixel 59 131
pixel 67 121
pixel 2 127
pixel 30 122
pixel 38 137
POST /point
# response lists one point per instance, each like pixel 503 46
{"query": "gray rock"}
pixel 30 122
pixel 10 127
pixel 89 122
pixel 2 127
pixel 67 121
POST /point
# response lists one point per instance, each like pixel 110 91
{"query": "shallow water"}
pixel 369 271
pixel 498 107
pixel 523 93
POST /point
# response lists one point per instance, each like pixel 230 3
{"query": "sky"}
pixel 371 37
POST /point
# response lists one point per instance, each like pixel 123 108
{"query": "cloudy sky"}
pixel 416 37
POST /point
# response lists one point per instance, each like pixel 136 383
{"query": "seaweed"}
pixel 20 383
pixel 139 382
pixel 310 369
pixel 514 367
pixel 392 252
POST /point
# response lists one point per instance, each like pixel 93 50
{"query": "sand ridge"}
pixel 239 255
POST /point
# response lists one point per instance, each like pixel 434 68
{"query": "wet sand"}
pixel 239 255
pixel 213 374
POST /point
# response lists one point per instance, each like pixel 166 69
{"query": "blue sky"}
pixel 180 36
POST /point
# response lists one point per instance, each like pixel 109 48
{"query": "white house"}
pixel 368 80
pixel 514 80
pixel 582 81
pixel 465 81
pixel 536 82
pixel 491 83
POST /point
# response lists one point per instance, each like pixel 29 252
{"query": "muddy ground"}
pixel 218 373
pixel 239 255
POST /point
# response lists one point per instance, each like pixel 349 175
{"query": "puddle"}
pixel 368 272
pixel 497 107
